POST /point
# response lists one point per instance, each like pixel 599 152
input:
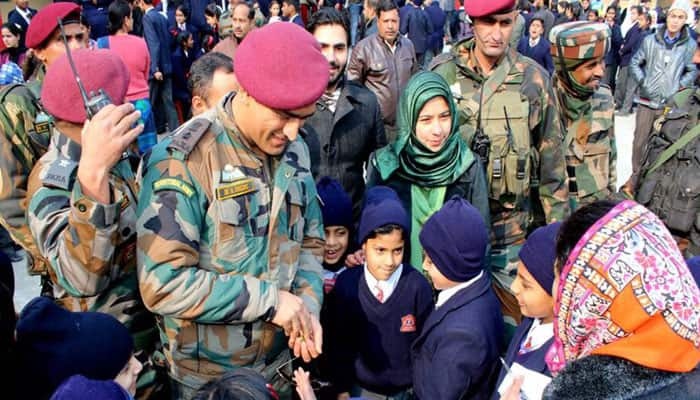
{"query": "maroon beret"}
pixel 482 8
pixel 281 66
pixel 46 21
pixel 98 69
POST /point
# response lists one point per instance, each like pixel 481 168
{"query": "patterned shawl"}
pixel 626 292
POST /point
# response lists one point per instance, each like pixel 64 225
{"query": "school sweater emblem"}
pixel 408 323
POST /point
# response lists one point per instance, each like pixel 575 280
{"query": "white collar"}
pixel 448 293
pixel 386 286
pixel 24 13
pixel 537 336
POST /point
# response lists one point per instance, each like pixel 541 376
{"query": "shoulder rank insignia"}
pixel 173 184
pixel 235 189
pixel 59 173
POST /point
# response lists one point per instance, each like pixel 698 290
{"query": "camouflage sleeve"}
pixel 612 179
pixel 308 282
pixel 357 66
pixel 553 189
pixel 78 236
pixel 13 185
pixel 17 157
pixel 174 280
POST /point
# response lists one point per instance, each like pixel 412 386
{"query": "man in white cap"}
pixel 662 66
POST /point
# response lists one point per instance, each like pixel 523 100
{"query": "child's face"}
pixel 275 10
pixel 337 238
pixel 384 254
pixel 439 280
pixel 211 21
pixel 533 300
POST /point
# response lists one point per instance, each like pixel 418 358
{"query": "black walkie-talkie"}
pixel 96 101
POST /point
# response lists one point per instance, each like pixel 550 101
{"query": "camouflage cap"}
pixel 226 24
pixel 579 41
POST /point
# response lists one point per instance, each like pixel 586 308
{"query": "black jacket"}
pixel 633 39
pixel 341 143
pixel 155 31
pixel 604 377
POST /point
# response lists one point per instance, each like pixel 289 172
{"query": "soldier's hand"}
pixel 292 316
pixel 103 141
pixel 309 347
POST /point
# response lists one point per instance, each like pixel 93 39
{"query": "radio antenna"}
pixel 83 92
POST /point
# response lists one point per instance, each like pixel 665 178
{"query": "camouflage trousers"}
pixel 504 268
pixel 182 391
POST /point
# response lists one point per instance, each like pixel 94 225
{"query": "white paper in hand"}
pixel 533 384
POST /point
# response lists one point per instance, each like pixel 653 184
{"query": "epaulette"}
pixel 441 59
pixel 59 173
pixel 185 139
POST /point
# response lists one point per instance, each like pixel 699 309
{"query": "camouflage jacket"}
pixel 591 151
pixel 91 247
pixel 518 112
pixel 220 232
pixel 24 137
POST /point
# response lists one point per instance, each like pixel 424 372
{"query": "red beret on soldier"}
pixel 45 22
pixel 98 69
pixel 278 75
pixel 482 8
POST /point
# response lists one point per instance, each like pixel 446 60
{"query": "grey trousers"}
pixel 644 125
pixel 626 88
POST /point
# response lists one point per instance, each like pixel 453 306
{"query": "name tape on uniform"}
pixel 235 189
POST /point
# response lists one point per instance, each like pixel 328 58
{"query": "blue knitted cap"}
pixel 336 205
pixel 382 207
pixel 539 253
pixel 455 238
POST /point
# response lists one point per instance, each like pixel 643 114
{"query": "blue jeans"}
pixel 355 15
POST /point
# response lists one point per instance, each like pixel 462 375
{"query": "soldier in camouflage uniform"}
pixel 587 109
pixel 230 233
pixel 82 207
pixel 509 116
pixel 25 126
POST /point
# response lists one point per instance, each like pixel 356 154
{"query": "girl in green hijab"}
pixel 429 162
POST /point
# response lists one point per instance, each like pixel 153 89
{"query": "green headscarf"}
pixel 411 160
pixel 428 172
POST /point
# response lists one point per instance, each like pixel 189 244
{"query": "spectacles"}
pixel 316 384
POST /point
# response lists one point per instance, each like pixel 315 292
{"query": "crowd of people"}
pixel 324 200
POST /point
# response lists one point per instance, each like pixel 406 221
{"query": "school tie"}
pixel 380 294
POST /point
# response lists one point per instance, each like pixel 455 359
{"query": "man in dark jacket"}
pixel 347 126
pixel 20 16
pixel 417 26
pixel 612 58
pixel 438 18
pixel 384 63
pixel 155 32
pixel 626 86
pixel 663 64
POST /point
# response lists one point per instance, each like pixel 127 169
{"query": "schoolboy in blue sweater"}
pixel 456 355
pixel 377 310
pixel 533 289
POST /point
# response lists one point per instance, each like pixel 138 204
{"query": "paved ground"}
pixel 28 286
